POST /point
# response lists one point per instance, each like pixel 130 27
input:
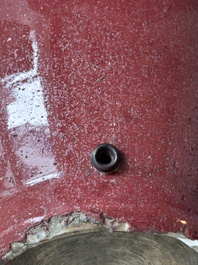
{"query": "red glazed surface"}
pixel 75 74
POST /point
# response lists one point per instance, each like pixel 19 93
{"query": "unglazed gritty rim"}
pixel 102 247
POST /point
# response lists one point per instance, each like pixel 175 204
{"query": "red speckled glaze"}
pixel 75 74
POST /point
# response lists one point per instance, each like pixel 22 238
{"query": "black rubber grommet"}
pixel 105 158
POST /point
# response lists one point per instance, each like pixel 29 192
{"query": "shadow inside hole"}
pixel 104 157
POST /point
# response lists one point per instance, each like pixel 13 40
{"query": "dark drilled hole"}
pixel 104 157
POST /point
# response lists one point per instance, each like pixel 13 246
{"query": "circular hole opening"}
pixel 104 157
